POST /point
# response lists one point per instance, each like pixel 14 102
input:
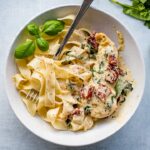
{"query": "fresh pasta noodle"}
pixel 87 83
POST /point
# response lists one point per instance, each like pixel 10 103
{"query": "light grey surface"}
pixel 13 135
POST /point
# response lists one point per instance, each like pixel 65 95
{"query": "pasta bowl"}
pixel 94 20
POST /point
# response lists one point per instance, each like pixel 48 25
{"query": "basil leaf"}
pixel 24 50
pixel 53 27
pixel 33 29
pixel 42 44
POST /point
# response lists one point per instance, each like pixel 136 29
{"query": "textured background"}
pixel 13 135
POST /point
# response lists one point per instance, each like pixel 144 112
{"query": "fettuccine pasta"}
pixel 87 83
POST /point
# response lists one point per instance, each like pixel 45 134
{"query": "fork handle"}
pixel 85 5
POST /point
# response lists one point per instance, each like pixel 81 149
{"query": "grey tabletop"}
pixel 13 135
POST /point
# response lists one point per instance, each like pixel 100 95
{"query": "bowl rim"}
pixel 6 64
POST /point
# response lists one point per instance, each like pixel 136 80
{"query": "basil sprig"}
pixel 140 9
pixel 24 50
pixel 51 27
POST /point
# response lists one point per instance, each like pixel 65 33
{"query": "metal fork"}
pixel 84 7
pixel 33 96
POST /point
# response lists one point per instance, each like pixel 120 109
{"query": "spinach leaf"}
pixel 119 87
pixel 42 44
pixel 122 87
pixel 53 27
pixel 24 50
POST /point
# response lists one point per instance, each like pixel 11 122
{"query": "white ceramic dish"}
pixel 95 20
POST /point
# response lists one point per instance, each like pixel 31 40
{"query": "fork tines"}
pixel 32 95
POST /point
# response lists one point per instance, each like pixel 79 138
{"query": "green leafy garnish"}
pixel 122 87
pixel 87 110
pixel 33 29
pixel 101 67
pixel 110 103
pixel 42 44
pixel 140 9
pixel 53 27
pixel 24 50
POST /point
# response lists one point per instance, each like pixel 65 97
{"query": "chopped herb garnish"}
pixel 87 110
pixel 91 50
pixel 101 67
pixel 110 103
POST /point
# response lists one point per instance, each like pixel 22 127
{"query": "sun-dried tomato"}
pixel 87 92
pixel 92 41
pixel 111 76
pixel 102 92
pixel 112 60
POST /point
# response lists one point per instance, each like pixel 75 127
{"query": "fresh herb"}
pixel 24 50
pixel 33 29
pixel 101 67
pixel 110 103
pixel 53 27
pixel 87 110
pixel 98 81
pixel 128 88
pixel 123 87
pixel 42 44
pixel 140 9
pixel 91 49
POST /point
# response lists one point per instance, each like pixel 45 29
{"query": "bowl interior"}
pixel 97 21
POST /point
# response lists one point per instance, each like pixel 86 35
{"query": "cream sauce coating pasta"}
pixel 79 88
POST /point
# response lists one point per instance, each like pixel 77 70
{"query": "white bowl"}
pixel 98 21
